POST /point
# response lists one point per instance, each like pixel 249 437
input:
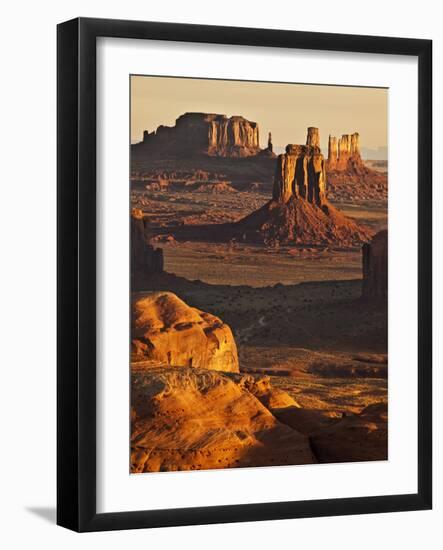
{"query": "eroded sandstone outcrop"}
pixel 344 153
pixel 204 133
pixel 301 172
pixel 193 419
pixel 349 178
pixel 166 331
pixel 313 137
pixel 375 267
pixel 299 212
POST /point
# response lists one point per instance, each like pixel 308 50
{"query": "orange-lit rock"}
pixel 193 419
pixel 168 331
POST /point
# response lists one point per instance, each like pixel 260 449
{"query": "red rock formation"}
pixel 195 419
pixel 301 173
pixel 204 133
pixel 313 137
pixel 375 267
pixel 348 176
pixel 299 212
pixel 166 331
pixel 344 153
pixel 332 153
pixel 145 259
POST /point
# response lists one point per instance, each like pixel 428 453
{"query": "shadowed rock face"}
pixel 145 259
pixel 355 438
pixel 193 419
pixel 165 330
pixel 375 267
pixel 204 133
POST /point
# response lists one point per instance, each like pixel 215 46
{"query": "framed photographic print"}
pixel 244 274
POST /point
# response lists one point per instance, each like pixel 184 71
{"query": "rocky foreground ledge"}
pixel 193 419
pixel 189 413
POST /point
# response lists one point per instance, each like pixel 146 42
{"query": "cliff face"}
pixel 375 267
pixel 301 172
pixel 145 259
pixel 344 153
pixel 203 133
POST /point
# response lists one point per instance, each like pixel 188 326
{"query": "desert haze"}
pixel 258 284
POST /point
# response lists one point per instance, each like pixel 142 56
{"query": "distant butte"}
pixel 348 176
pixel 204 134
pixel 344 153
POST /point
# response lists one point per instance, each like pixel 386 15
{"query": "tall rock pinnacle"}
pixel 313 137
pixel 301 172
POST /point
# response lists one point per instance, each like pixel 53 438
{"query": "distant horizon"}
pixel 285 110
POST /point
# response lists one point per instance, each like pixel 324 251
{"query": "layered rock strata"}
pixel 194 419
pixel 301 172
pixel 205 133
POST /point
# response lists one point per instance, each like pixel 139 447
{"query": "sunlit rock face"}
pixel 205 133
pixel 301 172
pixel 166 331
pixel 313 137
pixel 344 153
pixel 197 419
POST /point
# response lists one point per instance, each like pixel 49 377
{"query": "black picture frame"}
pixel 76 249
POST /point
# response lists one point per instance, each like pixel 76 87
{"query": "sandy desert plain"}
pixel 305 355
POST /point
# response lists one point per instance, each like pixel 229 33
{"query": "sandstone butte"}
pixel 344 153
pixel 375 267
pixel 348 176
pixel 186 419
pixel 165 330
pixel 203 133
pixel 299 212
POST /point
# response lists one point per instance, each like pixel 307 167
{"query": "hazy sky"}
pixel 286 110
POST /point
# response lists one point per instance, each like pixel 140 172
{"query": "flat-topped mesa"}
pixel 344 153
pixel 301 172
pixel 206 133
